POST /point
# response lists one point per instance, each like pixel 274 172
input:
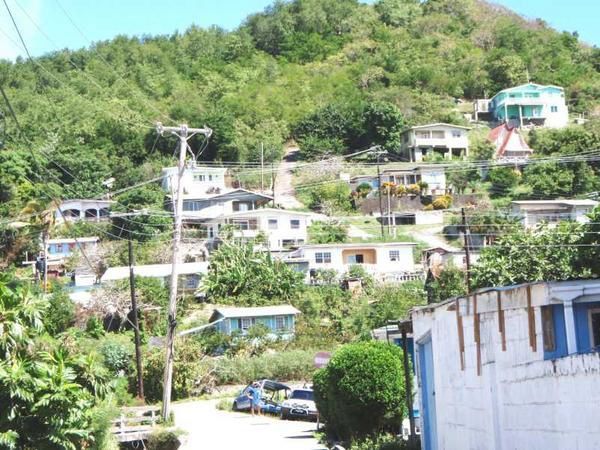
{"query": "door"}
pixel 429 424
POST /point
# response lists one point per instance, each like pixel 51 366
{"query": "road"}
pixel 284 189
pixel 208 428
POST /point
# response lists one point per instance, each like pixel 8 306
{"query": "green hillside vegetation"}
pixel 334 74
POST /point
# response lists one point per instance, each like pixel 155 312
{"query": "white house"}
pixel 512 367
pixel 63 248
pixel 532 212
pixel 198 181
pixel 432 174
pixel 388 261
pixel 425 141
pixel 200 209
pixel 283 229
pixel 83 209
pixel 438 258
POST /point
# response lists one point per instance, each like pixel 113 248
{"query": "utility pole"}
pixel 379 153
pixel 184 134
pixel 45 237
pixel 273 182
pixel 466 237
pixel 389 210
pixel 136 328
pixel 262 168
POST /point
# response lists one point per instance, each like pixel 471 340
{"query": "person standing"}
pixel 255 395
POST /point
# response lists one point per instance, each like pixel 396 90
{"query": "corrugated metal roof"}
pixel 153 270
pixel 257 311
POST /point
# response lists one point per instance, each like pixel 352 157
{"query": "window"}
pixel 272 224
pixel 280 323
pixel 456 134
pixel 323 257
pixel 554 109
pixel 548 329
pixel 438 134
pixel 554 332
pixel 199 178
pixel 245 323
pixel 210 178
pixel 394 255
pixel 295 223
pixel 422 134
pixel 242 224
pixel 356 259
pixel 594 328
pixel 241 206
pixel 192 205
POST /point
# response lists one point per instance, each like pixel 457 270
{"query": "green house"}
pixel 279 320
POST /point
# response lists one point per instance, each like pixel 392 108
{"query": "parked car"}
pixel 273 393
pixel 300 404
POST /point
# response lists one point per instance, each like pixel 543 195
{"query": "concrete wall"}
pixel 520 401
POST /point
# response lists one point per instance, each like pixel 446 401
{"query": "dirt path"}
pixel 432 237
pixel 209 428
pixel 284 189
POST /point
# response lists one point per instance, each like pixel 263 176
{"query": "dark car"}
pixel 273 393
pixel 300 404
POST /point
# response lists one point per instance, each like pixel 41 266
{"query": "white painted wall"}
pixel 197 181
pixel 429 217
pixel 382 266
pixel 520 401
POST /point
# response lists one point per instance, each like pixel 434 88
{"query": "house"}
pixel 436 259
pixel 83 209
pixel 530 104
pixel 63 248
pixel 532 212
pixel 434 175
pixel 198 181
pixel 444 140
pixel 513 367
pixel 282 229
pixel 201 209
pixel 510 144
pixel 189 273
pixel 387 261
pixel 279 320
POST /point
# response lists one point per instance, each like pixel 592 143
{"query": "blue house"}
pixel 530 104
pixel 280 319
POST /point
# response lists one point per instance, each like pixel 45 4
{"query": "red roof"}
pixel 508 139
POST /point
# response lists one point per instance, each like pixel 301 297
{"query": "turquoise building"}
pixel 530 104
pixel 279 320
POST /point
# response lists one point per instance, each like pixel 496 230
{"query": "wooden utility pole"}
pixel 135 322
pixel 184 134
pixel 262 168
pixel 45 236
pixel 379 153
pixel 467 243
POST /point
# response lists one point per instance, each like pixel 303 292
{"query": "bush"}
pixel 163 440
pixel 443 202
pixel 383 442
pixel 327 233
pixel 117 351
pixel 61 311
pixel 361 391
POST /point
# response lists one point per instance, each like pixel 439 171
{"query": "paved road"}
pixel 209 428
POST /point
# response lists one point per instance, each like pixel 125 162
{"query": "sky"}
pixel 45 26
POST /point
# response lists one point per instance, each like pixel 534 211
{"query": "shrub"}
pixel 163 440
pixel 382 442
pixel 413 189
pixel 327 233
pixel 443 202
pixel 60 313
pixel 117 351
pixel 361 391
pixel 363 189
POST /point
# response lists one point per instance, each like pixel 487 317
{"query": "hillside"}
pixel 365 68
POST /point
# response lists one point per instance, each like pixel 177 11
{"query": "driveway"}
pixel 284 189
pixel 209 428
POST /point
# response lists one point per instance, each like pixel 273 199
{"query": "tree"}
pixel 397 12
pixel 361 390
pixel 47 395
pixel 383 124
pixel 541 254
pixel 449 283
pixel 237 272
pixel 392 302
pixel 503 179
pixel 549 179
pixel 327 232
pixel 589 252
